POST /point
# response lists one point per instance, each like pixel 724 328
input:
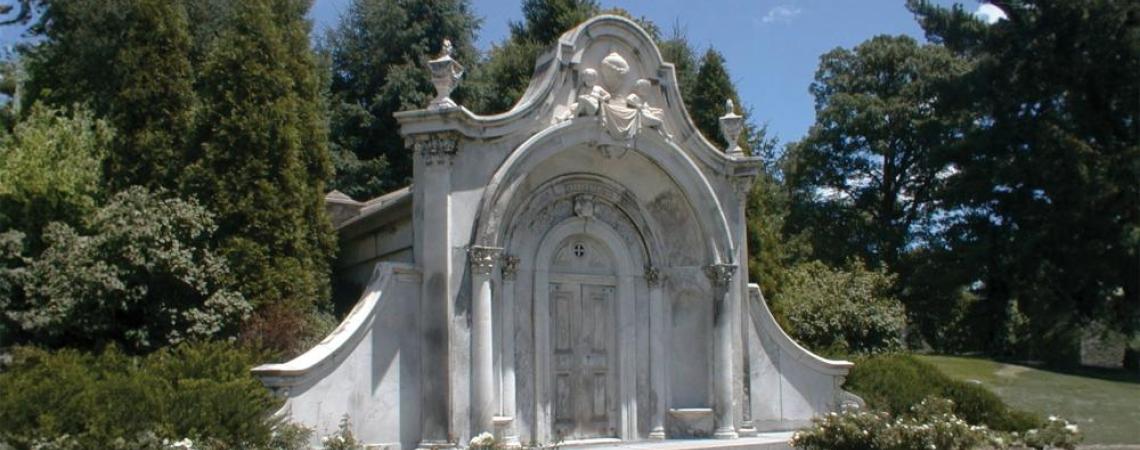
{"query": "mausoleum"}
pixel 573 270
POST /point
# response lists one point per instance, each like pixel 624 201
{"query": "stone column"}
pixel 510 268
pixel 433 157
pixel 657 350
pixel 482 260
pixel 743 185
pixel 721 276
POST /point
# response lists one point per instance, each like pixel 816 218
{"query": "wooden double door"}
pixel 583 311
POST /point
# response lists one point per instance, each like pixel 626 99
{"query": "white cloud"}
pixel 990 13
pixel 781 13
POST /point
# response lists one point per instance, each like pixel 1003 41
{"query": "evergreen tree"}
pixel 510 65
pixel 1047 188
pixel 378 55
pixel 138 77
pixel 262 164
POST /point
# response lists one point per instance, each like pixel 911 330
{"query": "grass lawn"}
pixel 1104 403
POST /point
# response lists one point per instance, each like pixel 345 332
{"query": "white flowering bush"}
pixel 1056 433
pixel 930 425
pixel 484 441
pixel 343 439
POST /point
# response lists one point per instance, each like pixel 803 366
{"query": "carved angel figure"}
pixel 650 116
pixel 592 96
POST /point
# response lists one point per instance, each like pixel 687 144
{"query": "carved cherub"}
pixel 592 97
pixel 650 116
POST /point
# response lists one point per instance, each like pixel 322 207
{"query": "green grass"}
pixel 1104 403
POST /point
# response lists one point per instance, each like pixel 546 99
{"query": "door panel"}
pixel 582 316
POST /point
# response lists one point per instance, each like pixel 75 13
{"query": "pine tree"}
pixel 262 164
pixel 378 57
pixel 139 77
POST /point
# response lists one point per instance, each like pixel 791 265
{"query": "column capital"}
pixel 720 274
pixel 510 266
pixel 742 185
pixel 482 259
pixel 435 148
pixel 653 276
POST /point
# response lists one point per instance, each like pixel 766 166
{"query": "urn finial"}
pixel 731 124
pixel 445 75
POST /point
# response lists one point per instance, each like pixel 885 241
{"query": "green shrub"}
pixel 841 311
pixel 145 276
pixel 896 382
pixel 203 392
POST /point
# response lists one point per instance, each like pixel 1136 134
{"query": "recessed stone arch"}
pixel 500 199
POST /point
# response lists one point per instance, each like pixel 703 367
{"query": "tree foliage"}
pixel 262 162
pixel 841 311
pixel 868 173
pixel 378 55
pixel 140 78
pixel 146 276
pixel 50 170
pixel 1046 193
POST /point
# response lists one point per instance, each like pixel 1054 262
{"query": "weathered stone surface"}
pixel 570 272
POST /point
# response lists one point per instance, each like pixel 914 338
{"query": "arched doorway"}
pixel 583 287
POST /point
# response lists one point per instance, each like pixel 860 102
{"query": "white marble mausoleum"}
pixel 571 270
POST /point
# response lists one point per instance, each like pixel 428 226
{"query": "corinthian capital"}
pixel 720 274
pixel 482 259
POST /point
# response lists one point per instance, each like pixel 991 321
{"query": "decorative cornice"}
pixel 720 274
pixel 435 148
pixel 482 259
pixel 510 266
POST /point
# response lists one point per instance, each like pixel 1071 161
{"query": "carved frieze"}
pixel 435 148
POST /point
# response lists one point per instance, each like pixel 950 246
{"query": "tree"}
pixel 378 55
pixel 139 77
pixel 50 170
pixel 262 162
pixel 868 171
pixel 146 276
pixel 510 65
pixel 1047 190
pixel 842 311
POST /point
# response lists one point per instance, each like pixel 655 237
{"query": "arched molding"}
pixel 501 198
pixel 553 202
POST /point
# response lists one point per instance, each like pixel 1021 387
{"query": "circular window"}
pixel 579 249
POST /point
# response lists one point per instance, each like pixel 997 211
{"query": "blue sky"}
pixel 772 46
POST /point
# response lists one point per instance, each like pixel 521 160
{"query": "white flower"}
pixel 484 439
pixel 1072 428
pixel 185 444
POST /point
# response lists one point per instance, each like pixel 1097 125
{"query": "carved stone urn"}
pixel 445 75
pixel 731 124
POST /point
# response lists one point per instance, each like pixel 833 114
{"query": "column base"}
pixel 657 434
pixel 747 430
pixel 725 433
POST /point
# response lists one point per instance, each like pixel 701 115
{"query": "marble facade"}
pixel 571 270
